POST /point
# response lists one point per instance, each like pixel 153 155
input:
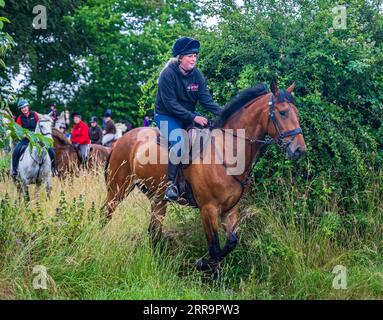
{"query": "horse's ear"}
pixel 291 88
pixel 274 87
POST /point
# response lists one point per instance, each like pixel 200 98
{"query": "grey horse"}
pixel 35 168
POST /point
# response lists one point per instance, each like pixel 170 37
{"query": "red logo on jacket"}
pixel 193 87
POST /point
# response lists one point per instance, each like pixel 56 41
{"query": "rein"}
pixel 40 128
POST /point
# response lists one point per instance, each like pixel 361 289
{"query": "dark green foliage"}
pixel 48 54
pixel 339 92
pixel 116 65
pixel 94 55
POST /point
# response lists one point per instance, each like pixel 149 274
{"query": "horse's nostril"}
pixel 294 154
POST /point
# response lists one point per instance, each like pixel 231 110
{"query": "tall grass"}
pixel 287 249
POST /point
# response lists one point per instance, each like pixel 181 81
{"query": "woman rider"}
pixel 80 137
pixel 28 120
pixel 180 86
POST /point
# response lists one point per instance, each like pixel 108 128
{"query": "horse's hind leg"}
pixel 116 193
pixel 158 215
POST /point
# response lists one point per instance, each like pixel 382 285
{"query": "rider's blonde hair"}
pixel 170 61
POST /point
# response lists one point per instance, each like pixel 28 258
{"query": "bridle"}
pixel 40 128
pixel 278 140
pixel 281 134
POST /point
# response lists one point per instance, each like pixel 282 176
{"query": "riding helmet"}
pixel 108 113
pixel 185 45
pixel 22 103
pixel 93 119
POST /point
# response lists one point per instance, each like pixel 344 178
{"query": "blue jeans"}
pixel 167 124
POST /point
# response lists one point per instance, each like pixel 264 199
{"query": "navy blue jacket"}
pixel 29 122
pixel 178 94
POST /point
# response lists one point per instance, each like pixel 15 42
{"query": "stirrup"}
pixel 171 193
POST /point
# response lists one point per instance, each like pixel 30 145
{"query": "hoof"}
pixel 206 265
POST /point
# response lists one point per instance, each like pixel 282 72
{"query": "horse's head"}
pixel 64 117
pixel 283 123
pixel 44 125
pixel 67 117
pixel 121 129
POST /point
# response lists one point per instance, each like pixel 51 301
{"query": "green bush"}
pixel 339 92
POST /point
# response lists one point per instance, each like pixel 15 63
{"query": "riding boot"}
pixel 15 163
pixel 17 152
pixel 52 156
pixel 171 193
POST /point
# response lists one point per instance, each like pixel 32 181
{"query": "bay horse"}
pixel 67 158
pixel 216 193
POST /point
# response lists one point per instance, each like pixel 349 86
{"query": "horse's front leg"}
pixel 20 190
pixel 210 221
pixel 229 221
pixel 48 186
pixel 25 191
pixel 47 180
pixel 37 190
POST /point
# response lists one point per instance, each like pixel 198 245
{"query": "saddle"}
pixel 198 137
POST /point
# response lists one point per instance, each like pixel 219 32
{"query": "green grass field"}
pixel 284 252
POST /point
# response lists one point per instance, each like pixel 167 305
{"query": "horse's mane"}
pixel 60 137
pixel 236 103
